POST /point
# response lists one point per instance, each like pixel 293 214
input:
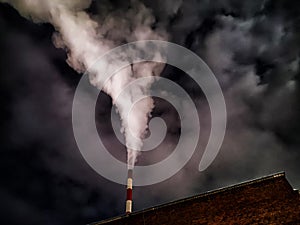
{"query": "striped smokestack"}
pixel 129 192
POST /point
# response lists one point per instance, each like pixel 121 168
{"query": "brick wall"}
pixel 269 200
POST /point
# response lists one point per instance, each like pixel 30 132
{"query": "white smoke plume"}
pixel 85 39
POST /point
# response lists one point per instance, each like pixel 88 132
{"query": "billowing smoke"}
pixel 251 46
pixel 86 38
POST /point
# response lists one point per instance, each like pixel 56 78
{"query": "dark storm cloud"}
pixel 253 49
pixel 46 181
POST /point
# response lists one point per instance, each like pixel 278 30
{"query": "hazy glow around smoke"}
pixel 83 39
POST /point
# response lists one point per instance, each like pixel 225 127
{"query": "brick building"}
pixel 268 200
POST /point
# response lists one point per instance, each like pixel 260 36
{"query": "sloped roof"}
pixel 224 204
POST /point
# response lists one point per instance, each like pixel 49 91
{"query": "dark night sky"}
pixel 253 49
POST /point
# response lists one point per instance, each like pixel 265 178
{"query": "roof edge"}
pixel 204 194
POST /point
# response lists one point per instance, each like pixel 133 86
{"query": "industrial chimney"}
pixel 129 192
